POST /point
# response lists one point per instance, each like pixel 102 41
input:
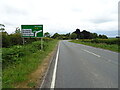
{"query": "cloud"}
pixel 14 11
pixel 60 16
pixel 109 33
pixel 101 20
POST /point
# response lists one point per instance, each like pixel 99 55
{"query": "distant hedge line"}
pixel 16 39
pixel 107 41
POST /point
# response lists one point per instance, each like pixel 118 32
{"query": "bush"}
pixel 107 41
pixel 20 61
pixel 13 55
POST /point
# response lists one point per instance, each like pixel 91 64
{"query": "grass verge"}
pixel 19 72
pixel 112 47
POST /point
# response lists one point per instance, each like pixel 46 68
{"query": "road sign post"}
pixel 41 43
pixel 32 31
pixel 23 41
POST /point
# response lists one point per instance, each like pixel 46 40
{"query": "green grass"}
pixel 112 47
pixel 0 67
pixel 31 84
pixel 18 72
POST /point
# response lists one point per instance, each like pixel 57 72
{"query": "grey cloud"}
pixel 109 33
pixel 12 10
pixel 8 23
pixel 100 20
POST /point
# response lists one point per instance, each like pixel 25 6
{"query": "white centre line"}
pixel 109 60
pixel 55 69
pixel 91 52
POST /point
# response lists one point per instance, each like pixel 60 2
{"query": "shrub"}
pixel 14 54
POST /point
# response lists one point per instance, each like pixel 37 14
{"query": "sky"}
pixel 62 16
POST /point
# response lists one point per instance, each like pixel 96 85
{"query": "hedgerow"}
pixel 14 54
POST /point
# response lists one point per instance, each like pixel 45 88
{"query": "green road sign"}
pixel 32 30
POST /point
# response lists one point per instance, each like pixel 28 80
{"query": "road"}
pixel 81 66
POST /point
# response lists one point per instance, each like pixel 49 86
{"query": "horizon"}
pixel 107 33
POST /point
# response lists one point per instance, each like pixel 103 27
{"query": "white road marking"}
pixel 109 60
pixel 91 53
pixel 55 69
pixel 45 74
pixel 96 75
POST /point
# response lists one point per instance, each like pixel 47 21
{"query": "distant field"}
pixel 20 60
pixel 112 44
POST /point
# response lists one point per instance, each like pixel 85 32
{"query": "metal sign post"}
pixel 41 43
pixel 23 41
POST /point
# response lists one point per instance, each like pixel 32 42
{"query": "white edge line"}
pixel 55 69
pixel 46 74
pixel 91 53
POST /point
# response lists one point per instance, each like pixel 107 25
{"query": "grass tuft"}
pixel 31 84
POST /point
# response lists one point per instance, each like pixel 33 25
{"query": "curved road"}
pixel 81 66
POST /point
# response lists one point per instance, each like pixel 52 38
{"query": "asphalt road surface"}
pixel 81 66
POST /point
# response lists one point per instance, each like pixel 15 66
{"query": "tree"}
pixel 73 36
pixel 100 36
pixel 67 36
pixel 56 36
pixel 61 37
pixel 94 35
pixel 2 29
pixel 86 34
pixel 103 36
pixel 77 33
pixel 117 36
pixel 81 36
pixel 17 30
pixel 47 34
pixel 2 25
pixel 15 39
pixel 5 39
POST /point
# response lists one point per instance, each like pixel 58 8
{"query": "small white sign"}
pixel 27 32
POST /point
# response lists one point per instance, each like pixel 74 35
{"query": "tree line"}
pixel 16 37
pixel 79 35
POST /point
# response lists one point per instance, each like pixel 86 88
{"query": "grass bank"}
pixel 20 61
pixel 108 44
